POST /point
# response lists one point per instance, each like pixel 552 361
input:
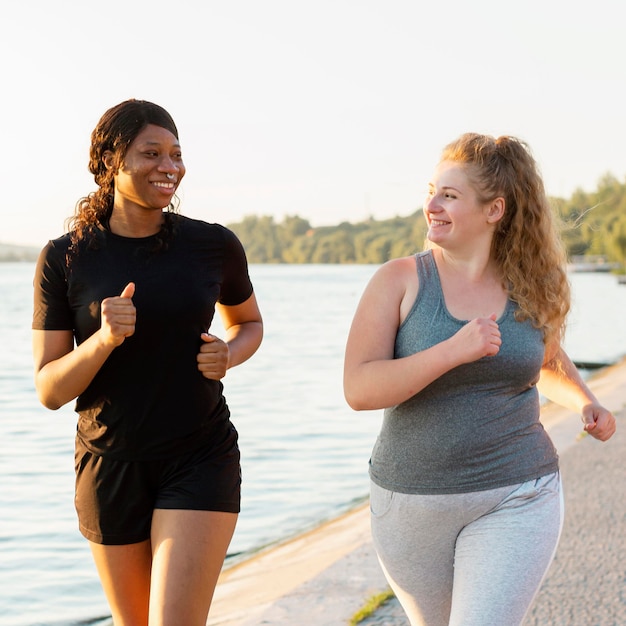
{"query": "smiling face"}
pixel 151 171
pixel 454 215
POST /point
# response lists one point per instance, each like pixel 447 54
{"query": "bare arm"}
pixel 243 325
pixel 62 372
pixel 373 379
pixel 561 382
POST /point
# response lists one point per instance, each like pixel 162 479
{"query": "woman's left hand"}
pixel 599 422
pixel 213 357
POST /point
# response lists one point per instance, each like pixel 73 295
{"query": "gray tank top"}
pixel 477 426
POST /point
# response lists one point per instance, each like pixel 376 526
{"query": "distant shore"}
pixel 14 253
pixel 10 253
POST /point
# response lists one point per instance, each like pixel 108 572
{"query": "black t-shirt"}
pixel 148 400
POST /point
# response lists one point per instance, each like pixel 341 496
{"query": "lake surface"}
pixel 304 452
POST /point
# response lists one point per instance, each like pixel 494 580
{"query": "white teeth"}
pixel 164 185
pixel 437 223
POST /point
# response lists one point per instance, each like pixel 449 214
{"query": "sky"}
pixel 333 110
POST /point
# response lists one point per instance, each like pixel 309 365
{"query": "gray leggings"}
pixel 471 559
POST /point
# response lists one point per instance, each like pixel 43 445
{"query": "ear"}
pixel 107 159
pixel 495 211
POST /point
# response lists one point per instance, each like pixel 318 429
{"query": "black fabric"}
pixel 115 499
pixel 149 400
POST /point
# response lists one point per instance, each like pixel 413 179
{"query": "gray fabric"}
pixel 477 426
pixel 471 559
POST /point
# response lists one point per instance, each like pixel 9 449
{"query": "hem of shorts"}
pixel 111 540
pixel 122 540
pixel 422 490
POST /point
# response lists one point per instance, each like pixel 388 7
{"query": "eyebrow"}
pixel 446 187
pixel 159 143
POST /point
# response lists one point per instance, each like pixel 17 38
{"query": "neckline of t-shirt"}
pixel 130 240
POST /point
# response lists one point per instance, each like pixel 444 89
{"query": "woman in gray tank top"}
pixel 454 343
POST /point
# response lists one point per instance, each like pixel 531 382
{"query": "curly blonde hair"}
pixel 526 245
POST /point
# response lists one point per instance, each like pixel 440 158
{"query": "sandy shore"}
pixel 333 565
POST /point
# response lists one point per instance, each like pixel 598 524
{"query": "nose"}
pixel 431 203
pixel 168 166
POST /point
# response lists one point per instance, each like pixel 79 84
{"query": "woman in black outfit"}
pixel 123 306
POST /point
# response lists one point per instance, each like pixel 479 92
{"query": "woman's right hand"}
pixel 62 371
pixel 478 338
pixel 118 316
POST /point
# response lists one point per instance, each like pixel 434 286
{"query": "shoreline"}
pixel 247 588
pixel 250 586
pixel 238 558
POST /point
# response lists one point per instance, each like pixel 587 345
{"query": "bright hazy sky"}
pixel 329 109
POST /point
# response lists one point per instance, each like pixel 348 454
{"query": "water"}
pixel 304 452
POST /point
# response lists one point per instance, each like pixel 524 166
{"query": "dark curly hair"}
pixel 116 130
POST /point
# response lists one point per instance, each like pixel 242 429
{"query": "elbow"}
pixel 259 334
pixel 47 398
pixel 50 403
pixel 359 393
pixel 356 406
pixel 355 400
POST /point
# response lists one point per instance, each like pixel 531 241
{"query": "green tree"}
pixel 591 223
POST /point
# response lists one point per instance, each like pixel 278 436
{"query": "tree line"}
pixel 591 224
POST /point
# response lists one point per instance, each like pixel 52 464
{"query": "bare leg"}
pixel 125 576
pixel 188 551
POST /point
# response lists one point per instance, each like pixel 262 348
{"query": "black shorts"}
pixel 115 498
